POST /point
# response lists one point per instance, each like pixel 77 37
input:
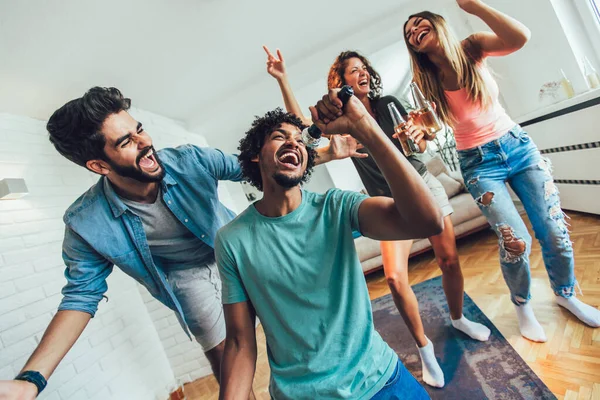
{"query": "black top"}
pixel 368 170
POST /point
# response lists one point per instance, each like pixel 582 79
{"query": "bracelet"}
pixel 33 377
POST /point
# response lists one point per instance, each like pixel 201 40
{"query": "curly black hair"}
pixel 335 78
pixel 253 141
pixel 75 127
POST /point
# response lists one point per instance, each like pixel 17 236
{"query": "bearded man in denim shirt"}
pixel 154 214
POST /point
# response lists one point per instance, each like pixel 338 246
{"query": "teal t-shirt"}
pixel 303 277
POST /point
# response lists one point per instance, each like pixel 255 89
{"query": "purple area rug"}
pixel 472 369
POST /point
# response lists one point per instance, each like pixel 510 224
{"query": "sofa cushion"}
pixel 366 248
pixel 451 186
pixel 436 166
pixel 470 225
pixel 372 263
pixel 456 175
pixel 464 208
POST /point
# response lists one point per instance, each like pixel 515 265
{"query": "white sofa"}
pixel 467 218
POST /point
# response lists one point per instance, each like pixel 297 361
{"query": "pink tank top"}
pixel 474 126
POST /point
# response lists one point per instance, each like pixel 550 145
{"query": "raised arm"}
pixel 276 68
pixel 509 35
pixel 412 212
pixel 239 358
pixel 338 148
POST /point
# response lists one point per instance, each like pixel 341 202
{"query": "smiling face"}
pixel 283 157
pixel 356 74
pixel 128 149
pixel 420 34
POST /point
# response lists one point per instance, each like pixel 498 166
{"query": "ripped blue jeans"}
pixel 515 159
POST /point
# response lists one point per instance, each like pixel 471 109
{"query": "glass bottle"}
pixel 590 73
pixel 566 85
pixel 408 145
pixel 424 116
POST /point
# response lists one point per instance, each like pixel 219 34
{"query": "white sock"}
pixel 475 330
pixel 432 373
pixel 587 314
pixel 528 325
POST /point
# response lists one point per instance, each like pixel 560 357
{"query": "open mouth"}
pixel 421 36
pixel 289 158
pixel 363 83
pixel 148 161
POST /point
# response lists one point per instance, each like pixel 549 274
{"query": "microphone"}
pixel 311 136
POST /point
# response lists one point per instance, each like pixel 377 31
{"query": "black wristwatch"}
pixel 34 377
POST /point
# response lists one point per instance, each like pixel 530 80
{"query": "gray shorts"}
pixel 198 290
pixel 438 193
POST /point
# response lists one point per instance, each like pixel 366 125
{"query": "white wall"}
pixel 381 42
pixel 320 180
pixel 226 122
pixel 120 354
pixel 521 74
pixel 573 165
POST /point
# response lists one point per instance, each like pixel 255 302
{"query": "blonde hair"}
pixel 465 60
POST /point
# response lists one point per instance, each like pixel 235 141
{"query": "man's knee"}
pixel 216 353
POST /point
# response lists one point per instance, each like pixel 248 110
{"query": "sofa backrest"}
pixel 452 185
pixel 435 166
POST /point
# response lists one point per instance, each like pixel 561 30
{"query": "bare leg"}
pixel 214 356
pixel 444 246
pixel 395 265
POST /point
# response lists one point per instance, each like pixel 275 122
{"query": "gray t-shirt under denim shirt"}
pixel 173 246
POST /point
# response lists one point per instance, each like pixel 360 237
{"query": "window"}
pixel 596 7
pixel 589 14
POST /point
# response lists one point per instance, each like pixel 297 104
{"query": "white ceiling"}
pixel 188 60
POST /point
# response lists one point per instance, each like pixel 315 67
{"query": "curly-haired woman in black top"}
pixel 351 68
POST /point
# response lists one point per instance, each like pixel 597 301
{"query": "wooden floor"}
pixel 569 363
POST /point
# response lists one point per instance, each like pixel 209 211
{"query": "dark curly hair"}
pixel 335 79
pixel 253 141
pixel 75 127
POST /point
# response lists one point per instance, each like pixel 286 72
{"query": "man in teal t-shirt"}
pixel 290 260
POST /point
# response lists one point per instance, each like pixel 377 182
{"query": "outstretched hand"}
pixel 344 146
pixel 275 65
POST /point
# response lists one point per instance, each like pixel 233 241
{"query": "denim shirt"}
pixel 101 231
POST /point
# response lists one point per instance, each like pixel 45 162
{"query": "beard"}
pixel 287 181
pixel 137 173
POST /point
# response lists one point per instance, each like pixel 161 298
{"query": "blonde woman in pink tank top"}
pixel 493 151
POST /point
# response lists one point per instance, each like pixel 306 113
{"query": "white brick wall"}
pixel 166 134
pixel 134 345
pixel 176 343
